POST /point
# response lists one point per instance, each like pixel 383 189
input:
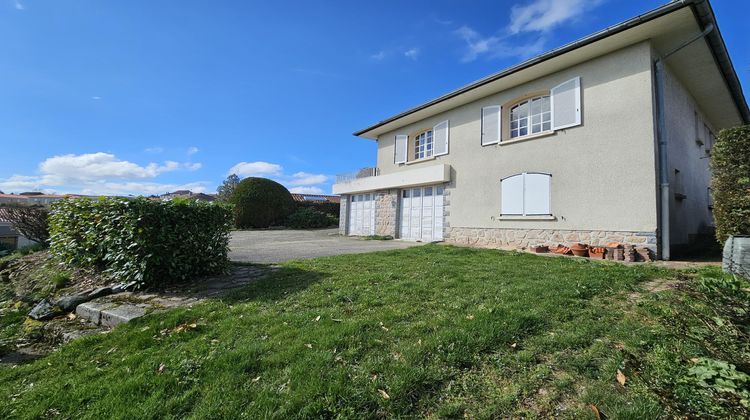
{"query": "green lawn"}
pixel 431 331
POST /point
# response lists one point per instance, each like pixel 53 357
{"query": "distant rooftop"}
pixel 316 197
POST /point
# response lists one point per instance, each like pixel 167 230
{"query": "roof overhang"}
pixel 705 68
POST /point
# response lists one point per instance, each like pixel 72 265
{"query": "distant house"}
pixel 33 198
pixel 10 239
pixel 187 194
pixel 307 198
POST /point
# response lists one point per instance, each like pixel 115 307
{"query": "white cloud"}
pixel 494 46
pixel 154 150
pixel 19 183
pixel 412 53
pixel 18 5
pixel 303 178
pixel 255 168
pixel 140 188
pixel 379 56
pixel 101 165
pixel 298 182
pixel 96 173
pixel 536 17
pixel 543 15
pixel 192 150
pixel 306 190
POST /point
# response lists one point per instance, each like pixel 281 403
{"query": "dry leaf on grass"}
pixel 384 394
pixel 317 318
pixel 597 414
pixel 308 345
pixel 621 377
pixel 162 366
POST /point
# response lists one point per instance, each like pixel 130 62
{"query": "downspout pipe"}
pixel 661 133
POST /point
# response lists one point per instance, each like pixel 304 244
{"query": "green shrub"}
pixel 307 218
pixel 140 240
pixel 30 249
pixel 325 206
pixel 261 203
pixel 730 165
pixel 60 279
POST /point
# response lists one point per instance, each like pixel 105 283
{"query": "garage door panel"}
pixel 421 213
pixel 362 215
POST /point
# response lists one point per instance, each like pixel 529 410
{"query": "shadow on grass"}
pixel 281 283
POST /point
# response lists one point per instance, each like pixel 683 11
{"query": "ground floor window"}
pixel 525 194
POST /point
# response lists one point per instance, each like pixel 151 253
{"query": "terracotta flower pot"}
pixel 580 250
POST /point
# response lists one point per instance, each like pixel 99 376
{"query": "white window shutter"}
pixel 566 104
pixel 511 195
pixel 399 153
pixel 536 195
pixel 491 124
pixel 440 138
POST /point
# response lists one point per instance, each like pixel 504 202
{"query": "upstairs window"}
pixel 423 145
pixel 531 116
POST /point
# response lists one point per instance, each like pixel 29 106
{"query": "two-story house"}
pixel 606 139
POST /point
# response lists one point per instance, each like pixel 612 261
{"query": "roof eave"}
pixel 701 9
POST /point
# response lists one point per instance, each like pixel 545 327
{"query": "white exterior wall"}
pixel 690 215
pixel 603 171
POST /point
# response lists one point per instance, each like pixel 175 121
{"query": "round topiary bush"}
pixel 261 203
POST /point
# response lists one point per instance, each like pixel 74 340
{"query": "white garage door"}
pixel 422 214
pixel 362 215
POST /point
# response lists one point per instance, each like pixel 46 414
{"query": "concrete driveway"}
pixel 271 246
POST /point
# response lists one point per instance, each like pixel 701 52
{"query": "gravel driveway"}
pixel 270 246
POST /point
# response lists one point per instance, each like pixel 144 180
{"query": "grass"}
pixel 431 331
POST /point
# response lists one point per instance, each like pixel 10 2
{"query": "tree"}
pixel 227 187
pixel 261 203
pixel 730 165
pixel 29 220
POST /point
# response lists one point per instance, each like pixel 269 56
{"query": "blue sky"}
pixel 144 97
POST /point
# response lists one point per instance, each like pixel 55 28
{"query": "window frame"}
pixel 426 150
pixel 529 118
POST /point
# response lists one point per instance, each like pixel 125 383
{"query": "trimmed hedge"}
pixel 150 242
pixel 730 165
pixel 261 203
pixel 326 207
pixel 308 218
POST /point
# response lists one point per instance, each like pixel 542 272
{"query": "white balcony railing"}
pixel 372 180
pixel 351 176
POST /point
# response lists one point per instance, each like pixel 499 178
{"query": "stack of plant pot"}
pixel 614 251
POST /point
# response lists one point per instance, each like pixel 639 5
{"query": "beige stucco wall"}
pixel 603 172
pixel 690 215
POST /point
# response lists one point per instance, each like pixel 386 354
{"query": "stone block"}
pixel 121 314
pixel 92 311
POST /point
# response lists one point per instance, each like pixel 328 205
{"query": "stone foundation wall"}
pixel 343 212
pixel 522 238
pixel 386 212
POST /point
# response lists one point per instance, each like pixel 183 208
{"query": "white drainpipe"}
pixel 661 133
